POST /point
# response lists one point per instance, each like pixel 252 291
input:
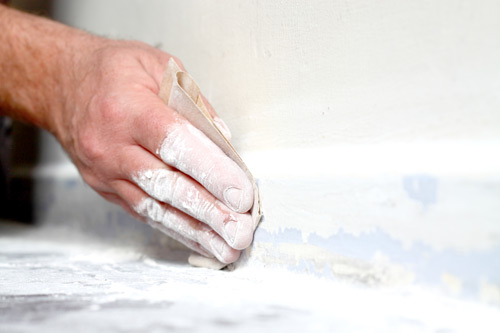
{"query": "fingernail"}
pixel 221 125
pixel 231 229
pixel 232 195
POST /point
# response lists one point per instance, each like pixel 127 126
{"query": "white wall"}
pixel 309 73
pixel 373 127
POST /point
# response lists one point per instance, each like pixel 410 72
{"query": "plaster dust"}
pixel 177 150
pixel 378 272
pixel 197 236
pixel 181 192
pixel 50 286
pixel 169 187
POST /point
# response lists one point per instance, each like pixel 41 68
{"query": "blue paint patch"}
pixel 427 264
pixel 287 235
pixel 422 188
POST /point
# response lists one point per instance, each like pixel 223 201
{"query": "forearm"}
pixel 36 60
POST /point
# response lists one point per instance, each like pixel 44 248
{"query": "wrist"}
pixel 76 48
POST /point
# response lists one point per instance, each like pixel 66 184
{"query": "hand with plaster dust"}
pixel 100 99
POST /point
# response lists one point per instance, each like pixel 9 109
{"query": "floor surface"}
pixel 54 286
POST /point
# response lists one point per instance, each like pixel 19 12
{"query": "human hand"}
pixel 137 152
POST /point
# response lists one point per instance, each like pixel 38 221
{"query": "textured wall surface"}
pixel 308 73
pixel 373 127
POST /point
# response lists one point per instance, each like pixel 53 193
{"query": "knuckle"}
pixel 110 109
pixel 90 147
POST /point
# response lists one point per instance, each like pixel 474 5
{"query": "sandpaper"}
pixel 180 92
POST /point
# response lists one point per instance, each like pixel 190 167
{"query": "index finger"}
pixel 179 144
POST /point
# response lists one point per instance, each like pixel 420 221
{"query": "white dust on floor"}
pixel 50 286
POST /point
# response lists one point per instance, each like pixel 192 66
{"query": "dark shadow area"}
pixel 19 156
pixel 18 147
pixel 5 152
pixel 38 7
